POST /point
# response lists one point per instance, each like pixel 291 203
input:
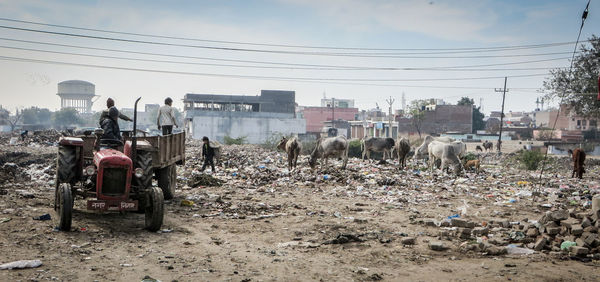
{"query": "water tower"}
pixel 77 94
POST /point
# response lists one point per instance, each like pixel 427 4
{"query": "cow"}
pixel 446 152
pixel 478 148
pixel 578 160
pixel 376 144
pixel 422 150
pixel 292 147
pixel 402 148
pixel 487 145
pixel 473 164
pixel 330 147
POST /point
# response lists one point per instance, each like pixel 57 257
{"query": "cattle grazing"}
pixel 292 147
pixel 487 145
pixel 422 150
pixel 578 160
pixel 478 148
pixel 402 148
pixel 376 144
pixel 330 147
pixel 447 152
pixel 473 164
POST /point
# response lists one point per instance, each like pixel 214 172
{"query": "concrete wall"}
pixel 256 129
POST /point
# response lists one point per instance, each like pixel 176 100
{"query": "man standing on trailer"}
pixel 166 117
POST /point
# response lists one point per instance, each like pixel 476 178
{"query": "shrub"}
pixel 354 150
pixel 469 157
pixel 308 147
pixel 234 141
pixel 272 142
pixel 530 159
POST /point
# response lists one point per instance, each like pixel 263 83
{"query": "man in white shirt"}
pixel 166 117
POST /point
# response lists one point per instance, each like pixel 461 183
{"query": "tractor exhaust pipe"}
pixel 134 132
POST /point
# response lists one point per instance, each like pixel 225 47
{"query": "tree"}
pixel 579 89
pixel 15 119
pixel 66 117
pixel 35 115
pixel 477 118
pixel 417 114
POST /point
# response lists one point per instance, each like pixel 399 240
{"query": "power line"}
pixel 264 67
pixel 348 81
pixel 277 63
pixel 465 49
pixel 363 55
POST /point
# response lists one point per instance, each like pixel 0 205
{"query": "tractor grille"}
pixel 113 181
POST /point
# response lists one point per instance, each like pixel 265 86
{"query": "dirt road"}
pixel 265 224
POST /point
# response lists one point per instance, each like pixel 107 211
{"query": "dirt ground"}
pixel 267 224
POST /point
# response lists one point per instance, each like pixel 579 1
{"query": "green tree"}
pixel 417 114
pixel 579 89
pixel 35 115
pixel 477 118
pixel 66 117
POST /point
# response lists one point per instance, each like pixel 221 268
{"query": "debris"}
pixel 21 264
pixel 43 217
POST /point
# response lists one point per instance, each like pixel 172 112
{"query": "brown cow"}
pixel 292 147
pixel 578 160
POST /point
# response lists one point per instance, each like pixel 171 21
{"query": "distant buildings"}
pixel 257 118
pixel 440 118
pixel 317 116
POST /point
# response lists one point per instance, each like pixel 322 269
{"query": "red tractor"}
pixel 118 176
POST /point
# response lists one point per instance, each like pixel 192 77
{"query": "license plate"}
pixel 112 205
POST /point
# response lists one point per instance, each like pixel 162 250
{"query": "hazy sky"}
pixel 424 26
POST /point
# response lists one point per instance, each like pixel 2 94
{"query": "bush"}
pixel 272 142
pixel 354 150
pixel 308 147
pixel 530 159
pixel 469 157
pixel 234 141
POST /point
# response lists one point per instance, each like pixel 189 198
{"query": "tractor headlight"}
pixel 138 172
pixel 90 170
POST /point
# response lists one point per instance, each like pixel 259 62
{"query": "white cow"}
pixel 422 150
pixel 330 147
pixel 447 153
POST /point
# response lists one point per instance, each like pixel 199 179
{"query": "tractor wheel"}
pixel 155 209
pixel 143 160
pixel 65 206
pixel 167 181
pixel 65 165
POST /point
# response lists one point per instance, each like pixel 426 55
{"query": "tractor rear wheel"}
pixel 167 181
pixel 65 206
pixel 143 160
pixel 154 210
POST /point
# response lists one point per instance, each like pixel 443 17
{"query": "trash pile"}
pixel 39 138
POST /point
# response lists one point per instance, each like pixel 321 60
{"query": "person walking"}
pixel 166 117
pixel 208 154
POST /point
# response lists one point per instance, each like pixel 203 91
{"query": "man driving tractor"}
pixel 111 126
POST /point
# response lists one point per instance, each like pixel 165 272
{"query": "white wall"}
pixel 256 130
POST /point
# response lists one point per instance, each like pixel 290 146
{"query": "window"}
pixel 593 122
pixel 584 122
pixel 578 122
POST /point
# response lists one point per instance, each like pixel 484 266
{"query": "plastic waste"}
pixel 325 177
pixel 514 250
pixel 187 203
pixel 567 244
pixel 43 217
pixel 463 209
pixel 21 264
pixel 453 216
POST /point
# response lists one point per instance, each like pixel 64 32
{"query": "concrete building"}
pixel 77 94
pixel 256 118
pixel 440 119
pixel 316 116
pixel 339 103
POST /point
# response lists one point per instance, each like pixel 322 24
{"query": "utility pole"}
pixel 403 103
pixel 332 112
pixel 390 101
pixel 501 113
pixel 481 105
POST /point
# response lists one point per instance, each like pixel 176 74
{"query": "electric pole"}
pixel 390 101
pixel 501 113
pixel 332 112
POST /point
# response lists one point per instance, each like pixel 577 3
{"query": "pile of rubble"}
pixel 561 231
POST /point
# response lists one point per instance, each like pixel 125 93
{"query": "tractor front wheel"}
pixel 154 209
pixel 64 202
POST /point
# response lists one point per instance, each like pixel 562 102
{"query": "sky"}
pixel 374 49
